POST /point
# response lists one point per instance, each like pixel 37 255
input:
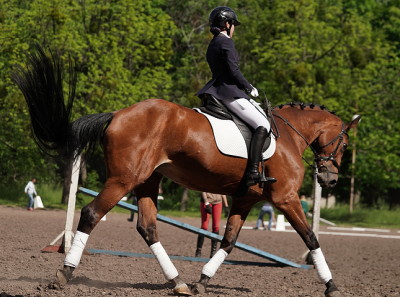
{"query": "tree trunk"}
pixel 184 199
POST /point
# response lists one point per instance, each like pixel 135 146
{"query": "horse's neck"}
pixel 304 125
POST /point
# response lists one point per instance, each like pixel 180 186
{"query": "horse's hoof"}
pixel 60 281
pixel 332 290
pixel 182 290
pixel 198 288
pixel 62 278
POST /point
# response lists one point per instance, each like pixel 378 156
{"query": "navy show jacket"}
pixel 227 81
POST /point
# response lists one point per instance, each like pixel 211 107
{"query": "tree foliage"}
pixel 121 51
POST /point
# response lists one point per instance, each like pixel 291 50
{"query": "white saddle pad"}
pixel 229 139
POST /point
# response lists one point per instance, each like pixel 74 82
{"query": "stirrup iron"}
pixel 263 179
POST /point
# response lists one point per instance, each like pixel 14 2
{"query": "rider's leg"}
pixel 253 175
pixel 249 113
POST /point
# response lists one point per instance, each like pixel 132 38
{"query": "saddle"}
pixel 212 106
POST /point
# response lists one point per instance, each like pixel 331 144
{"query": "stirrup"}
pixel 266 180
pixel 263 179
pixel 260 179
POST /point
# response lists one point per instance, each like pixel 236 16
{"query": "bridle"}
pixel 332 155
pixel 317 157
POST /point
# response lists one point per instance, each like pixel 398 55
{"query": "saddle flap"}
pixel 232 135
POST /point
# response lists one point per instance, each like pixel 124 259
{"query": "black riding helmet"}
pixel 222 14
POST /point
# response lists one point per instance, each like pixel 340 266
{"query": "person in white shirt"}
pixel 30 190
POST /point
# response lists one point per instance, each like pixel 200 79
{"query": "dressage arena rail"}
pixel 247 248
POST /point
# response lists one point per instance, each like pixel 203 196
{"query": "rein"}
pixel 317 157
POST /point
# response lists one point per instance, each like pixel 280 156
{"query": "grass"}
pixel 363 217
pixel 12 195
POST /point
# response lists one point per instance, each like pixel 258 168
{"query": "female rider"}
pixel 230 86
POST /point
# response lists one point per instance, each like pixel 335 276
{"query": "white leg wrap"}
pixel 165 262
pixel 212 266
pixel 323 271
pixel 75 253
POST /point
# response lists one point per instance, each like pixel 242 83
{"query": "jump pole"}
pixel 190 228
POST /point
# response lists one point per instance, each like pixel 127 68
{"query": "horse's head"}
pixel 329 148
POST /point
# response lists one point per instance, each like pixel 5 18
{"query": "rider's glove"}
pixel 254 92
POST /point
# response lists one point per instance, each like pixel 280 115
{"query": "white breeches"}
pixel 248 111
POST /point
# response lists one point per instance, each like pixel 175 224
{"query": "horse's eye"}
pixel 344 146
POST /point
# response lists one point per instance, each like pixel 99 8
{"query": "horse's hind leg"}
pixel 147 227
pixel 293 212
pixel 91 214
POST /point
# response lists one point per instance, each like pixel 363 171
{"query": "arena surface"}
pixel 361 266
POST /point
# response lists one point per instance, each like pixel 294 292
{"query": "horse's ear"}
pixel 354 122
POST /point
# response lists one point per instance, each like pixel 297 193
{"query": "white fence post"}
pixel 68 234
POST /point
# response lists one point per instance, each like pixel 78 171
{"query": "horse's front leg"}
pixel 146 226
pixel 237 217
pixel 293 212
pixel 90 215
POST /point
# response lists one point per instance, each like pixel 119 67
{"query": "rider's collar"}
pixel 224 33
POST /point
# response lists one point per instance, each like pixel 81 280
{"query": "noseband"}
pixel 332 155
pixel 318 157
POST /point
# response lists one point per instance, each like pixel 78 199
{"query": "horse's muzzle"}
pixel 327 179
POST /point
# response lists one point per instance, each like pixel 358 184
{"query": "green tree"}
pixel 121 51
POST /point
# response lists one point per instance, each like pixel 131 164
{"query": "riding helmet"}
pixel 222 14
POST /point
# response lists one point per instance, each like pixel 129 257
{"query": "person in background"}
pixel 265 209
pixel 30 191
pixel 210 205
pixel 304 204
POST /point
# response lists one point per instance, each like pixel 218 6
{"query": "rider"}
pixel 231 88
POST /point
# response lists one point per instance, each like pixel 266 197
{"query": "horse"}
pixel 156 138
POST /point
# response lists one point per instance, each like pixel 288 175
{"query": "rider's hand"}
pixel 254 92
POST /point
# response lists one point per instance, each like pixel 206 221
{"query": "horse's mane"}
pixel 302 105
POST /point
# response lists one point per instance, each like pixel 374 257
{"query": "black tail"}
pixel 41 83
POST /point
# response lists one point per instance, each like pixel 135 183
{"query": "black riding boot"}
pixel 200 240
pixel 253 175
pixel 213 246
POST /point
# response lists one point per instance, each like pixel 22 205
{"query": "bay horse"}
pixel 156 138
